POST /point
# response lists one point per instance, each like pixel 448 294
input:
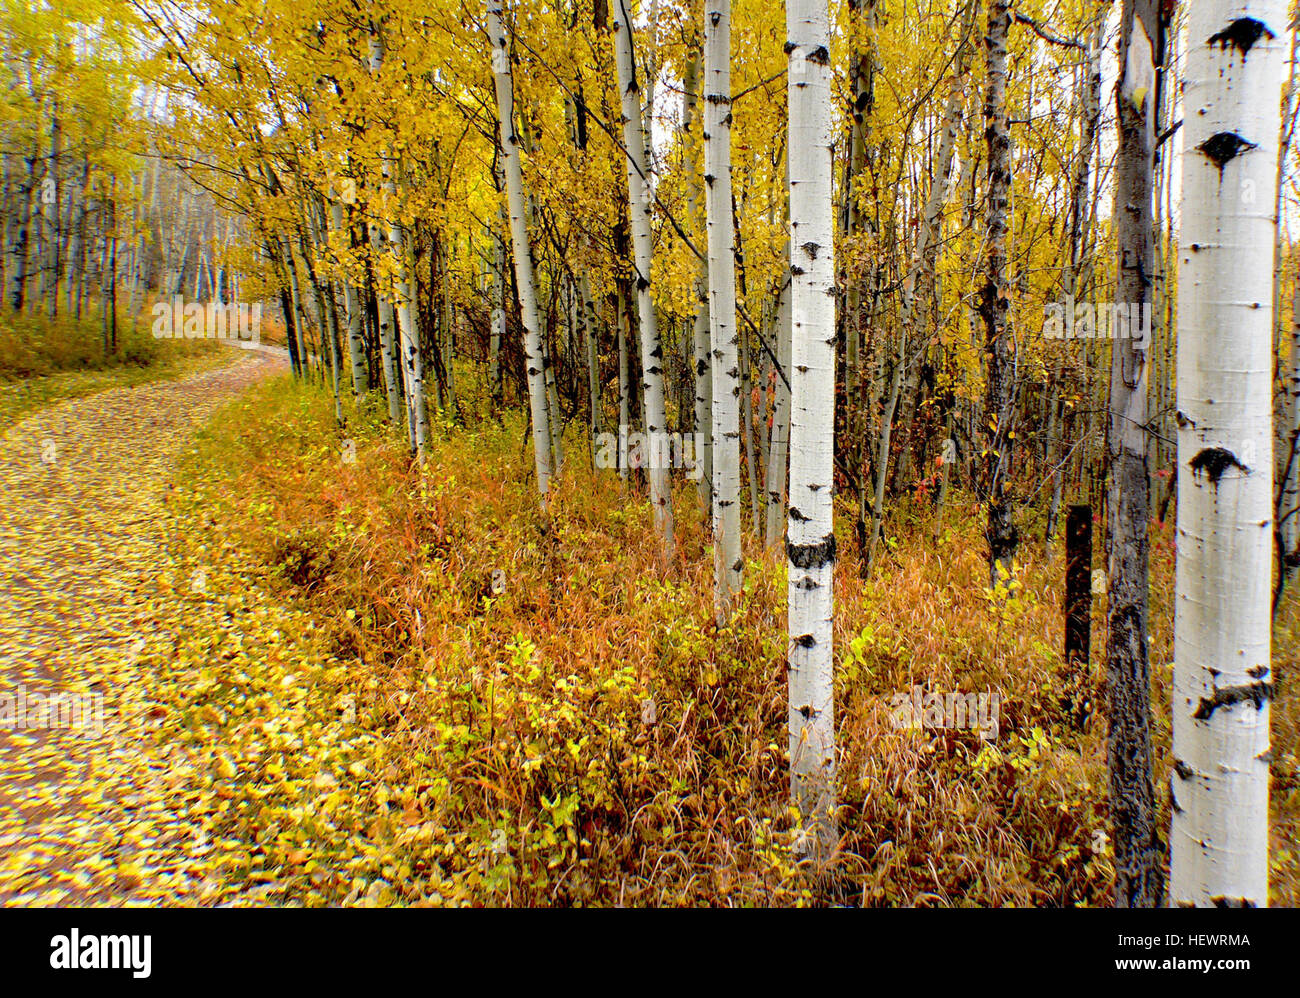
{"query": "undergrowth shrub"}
pixel 561 721
pixel 36 345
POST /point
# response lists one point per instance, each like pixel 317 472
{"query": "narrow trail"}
pixel 84 487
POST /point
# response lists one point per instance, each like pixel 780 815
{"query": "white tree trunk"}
pixel 810 542
pixel 408 333
pixel 533 358
pixel 702 358
pixel 396 354
pixel 1222 677
pixel 642 252
pixel 723 335
pixel 387 348
pixel 779 453
pixel 356 345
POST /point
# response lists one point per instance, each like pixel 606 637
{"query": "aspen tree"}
pixel 533 356
pixel 723 334
pixel 639 208
pixel 1138 855
pixel 810 542
pixel 1222 670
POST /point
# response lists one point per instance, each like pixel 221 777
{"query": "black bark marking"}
pixel 797 514
pixel 1184 771
pixel 1222 147
pixel 805 641
pixel 1214 461
pixel 1256 693
pixel 1241 34
pixel 812 555
pixel 740 563
pixel 811 250
pixel 820 56
pixel 1222 902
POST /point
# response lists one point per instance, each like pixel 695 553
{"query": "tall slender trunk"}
pixel 352 303
pixel 702 355
pixel 1139 878
pixel 1222 671
pixel 724 337
pixel 533 357
pixel 52 206
pixel 779 452
pixel 810 543
pixel 623 307
pixel 639 207
pixel 1001 532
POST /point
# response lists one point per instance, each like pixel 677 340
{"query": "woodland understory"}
pixel 645 411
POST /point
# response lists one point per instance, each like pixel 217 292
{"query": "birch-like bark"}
pixel 623 307
pixel 1001 531
pixel 639 206
pixel 52 210
pixel 1222 670
pixel 779 452
pixel 410 353
pixel 702 330
pixel 533 356
pixel 723 334
pixel 1139 876
pixel 810 542
pixel 352 303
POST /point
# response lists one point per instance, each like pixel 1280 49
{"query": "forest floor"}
pixel 331 677
pixel 85 595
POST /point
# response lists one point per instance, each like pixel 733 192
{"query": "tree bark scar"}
pixel 805 640
pixel 1221 147
pixel 1257 693
pixel 1214 461
pixel 812 555
pixel 1223 902
pixel 1241 34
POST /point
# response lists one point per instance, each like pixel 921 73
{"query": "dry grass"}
pixel 513 715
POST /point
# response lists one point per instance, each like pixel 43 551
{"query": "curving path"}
pixel 82 486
